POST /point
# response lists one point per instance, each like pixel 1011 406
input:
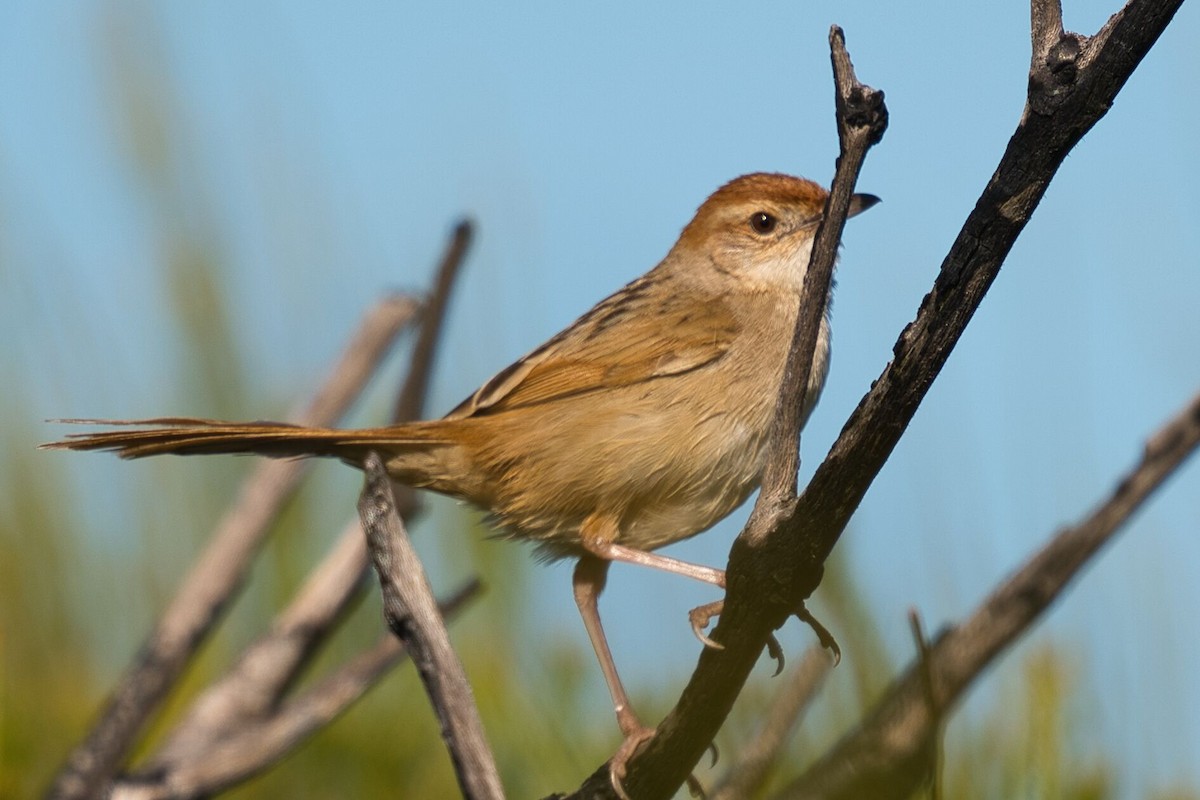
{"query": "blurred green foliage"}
pixel 75 608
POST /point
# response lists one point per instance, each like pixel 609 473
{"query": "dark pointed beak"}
pixel 860 203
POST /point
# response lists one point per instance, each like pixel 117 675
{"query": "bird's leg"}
pixel 591 573
pixel 611 551
pixel 700 616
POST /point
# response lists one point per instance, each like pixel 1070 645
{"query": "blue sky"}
pixel 329 149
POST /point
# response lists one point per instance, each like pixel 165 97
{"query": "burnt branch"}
pixel 861 121
pixel 888 755
pixel 778 560
pixel 681 739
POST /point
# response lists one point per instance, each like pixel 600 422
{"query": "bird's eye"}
pixel 762 222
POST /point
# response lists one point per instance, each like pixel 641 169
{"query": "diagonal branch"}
pixel 412 614
pixel 269 666
pixel 771 574
pixel 220 571
pixel 258 743
pixel 1039 145
pixel 686 733
pixel 888 755
pixel 410 402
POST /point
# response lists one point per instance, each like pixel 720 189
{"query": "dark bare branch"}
pixel 412 614
pixel 861 121
pixel 1034 153
pixel 888 755
pixel 685 734
pixel 1045 28
pixel 770 576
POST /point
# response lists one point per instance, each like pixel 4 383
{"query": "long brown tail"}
pixel 188 436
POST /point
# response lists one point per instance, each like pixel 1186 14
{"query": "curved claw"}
pixel 775 651
pixel 616 766
pixel 700 616
pixel 635 737
pixel 695 788
pixel 823 634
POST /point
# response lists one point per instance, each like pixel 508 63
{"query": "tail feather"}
pixel 188 436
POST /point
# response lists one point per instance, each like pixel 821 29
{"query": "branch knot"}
pixel 865 109
pixel 1053 76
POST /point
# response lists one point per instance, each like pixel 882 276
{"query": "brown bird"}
pixel 642 423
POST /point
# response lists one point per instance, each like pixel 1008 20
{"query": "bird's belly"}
pixel 664 478
pixel 672 510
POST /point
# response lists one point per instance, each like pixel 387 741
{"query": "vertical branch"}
pixel 682 737
pixel 861 121
pixel 410 403
pixel 934 709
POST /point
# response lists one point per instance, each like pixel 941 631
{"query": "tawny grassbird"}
pixel 642 423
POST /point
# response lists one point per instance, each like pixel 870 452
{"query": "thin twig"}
pixel 936 712
pixel 752 765
pixel 886 757
pixel 413 616
pixel 410 402
pixel 861 118
pixel 221 570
